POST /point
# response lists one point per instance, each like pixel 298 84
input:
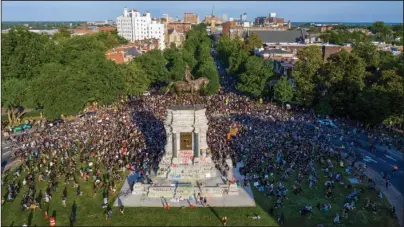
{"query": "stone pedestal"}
pixel 182 170
pixel 138 189
pixel 233 189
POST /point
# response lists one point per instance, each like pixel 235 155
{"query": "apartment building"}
pixel 134 26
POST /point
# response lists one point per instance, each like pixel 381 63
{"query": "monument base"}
pixel 177 193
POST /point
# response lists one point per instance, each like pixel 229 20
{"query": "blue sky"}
pixel 301 11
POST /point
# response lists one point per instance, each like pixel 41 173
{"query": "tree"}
pixel 371 106
pixel 342 78
pixel 24 52
pixel 368 52
pixel 176 64
pixel 382 32
pixel 305 71
pixel 62 33
pixel 283 90
pixel 226 48
pixel 237 61
pixel 253 79
pixel 136 81
pixel 253 41
pixel 14 93
pixel 154 65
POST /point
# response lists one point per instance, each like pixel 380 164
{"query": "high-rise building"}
pixel 133 26
pixel 243 17
pixel 224 17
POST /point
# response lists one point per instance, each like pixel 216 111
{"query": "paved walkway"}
pixel 392 194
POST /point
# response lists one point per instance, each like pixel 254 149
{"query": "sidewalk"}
pixel 392 194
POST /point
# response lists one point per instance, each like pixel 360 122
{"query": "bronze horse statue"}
pixel 189 85
pixel 192 86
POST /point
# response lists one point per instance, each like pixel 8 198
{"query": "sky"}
pixel 301 11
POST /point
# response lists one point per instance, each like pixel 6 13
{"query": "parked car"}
pixel 17 129
pixel 26 126
pixel 57 121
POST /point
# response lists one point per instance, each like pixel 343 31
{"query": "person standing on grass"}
pixel 122 209
pixel 224 220
pixel 64 201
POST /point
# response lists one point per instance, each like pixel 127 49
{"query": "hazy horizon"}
pixel 342 12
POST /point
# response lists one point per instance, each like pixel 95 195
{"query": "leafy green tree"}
pixel 283 90
pixel 24 52
pixel 14 93
pixel 255 76
pixel 226 48
pixel 368 52
pixel 387 60
pixel 342 79
pixel 176 64
pixel 371 105
pixel 304 72
pixel 154 65
pixel 209 71
pixel 237 62
pixel 382 32
pixel 62 33
pixel 253 41
pixel 136 81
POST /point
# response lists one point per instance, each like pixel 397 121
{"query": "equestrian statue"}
pixel 189 85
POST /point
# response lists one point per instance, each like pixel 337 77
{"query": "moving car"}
pixel 327 123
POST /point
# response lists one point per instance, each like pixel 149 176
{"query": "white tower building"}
pixel 133 26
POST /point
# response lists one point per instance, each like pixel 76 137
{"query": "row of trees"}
pixel 380 32
pixel 62 74
pixel 169 65
pixel 252 73
pixel 364 84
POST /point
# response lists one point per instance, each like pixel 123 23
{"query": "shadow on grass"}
pixel 215 213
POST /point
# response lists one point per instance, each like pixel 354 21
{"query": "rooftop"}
pixel 279 36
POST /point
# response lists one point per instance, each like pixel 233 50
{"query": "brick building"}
pixel 175 37
pixel 191 18
pixel 324 28
pixel 181 27
pixel 126 53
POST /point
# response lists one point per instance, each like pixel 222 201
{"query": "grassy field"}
pixel 89 211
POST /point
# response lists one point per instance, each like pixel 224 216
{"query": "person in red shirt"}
pixel 395 168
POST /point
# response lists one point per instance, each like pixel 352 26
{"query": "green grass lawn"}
pixel 89 211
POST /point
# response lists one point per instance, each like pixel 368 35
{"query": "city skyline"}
pixel 390 12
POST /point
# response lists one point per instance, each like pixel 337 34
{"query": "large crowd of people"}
pixel 272 142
